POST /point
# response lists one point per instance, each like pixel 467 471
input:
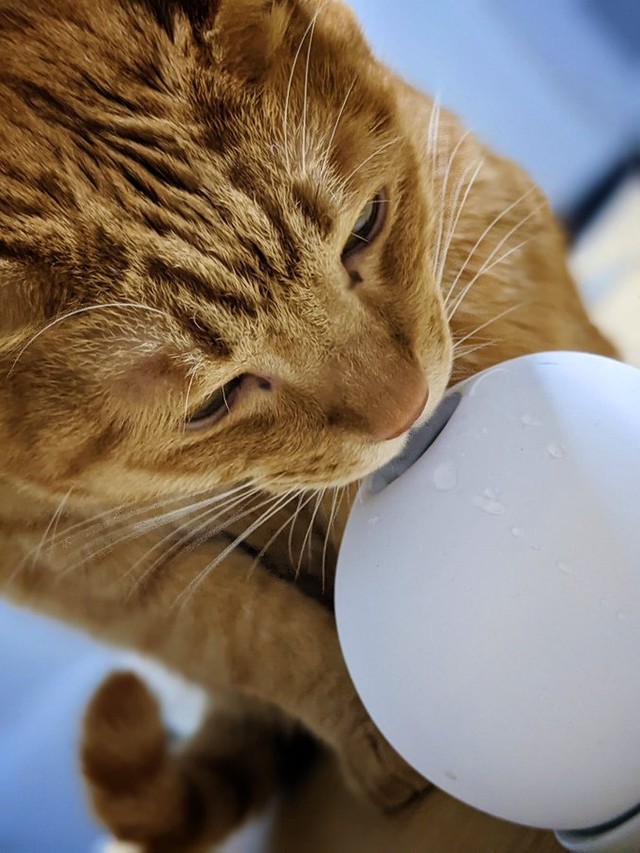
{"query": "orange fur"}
pixel 178 179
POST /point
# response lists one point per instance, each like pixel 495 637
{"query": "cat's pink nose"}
pixel 403 411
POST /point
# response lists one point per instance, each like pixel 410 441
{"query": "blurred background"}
pixel 554 84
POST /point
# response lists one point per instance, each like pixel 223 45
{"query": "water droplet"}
pixel 450 775
pixel 485 430
pixel 493 507
pixel 445 477
pixel 530 420
pixel 621 616
pixel 556 450
pixel 605 601
pixel 374 520
pixel 518 532
pixel 565 568
pixel 492 494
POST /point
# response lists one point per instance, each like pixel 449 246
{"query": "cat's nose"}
pixel 399 413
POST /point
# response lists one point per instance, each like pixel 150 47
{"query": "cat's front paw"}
pixel 377 771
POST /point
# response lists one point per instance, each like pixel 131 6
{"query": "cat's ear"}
pixel 247 34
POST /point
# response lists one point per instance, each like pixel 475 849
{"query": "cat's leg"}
pixel 191 797
pixel 240 629
pixel 282 647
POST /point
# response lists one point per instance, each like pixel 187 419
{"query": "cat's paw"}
pixel 377 771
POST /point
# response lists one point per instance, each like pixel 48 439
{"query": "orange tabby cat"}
pixel 239 260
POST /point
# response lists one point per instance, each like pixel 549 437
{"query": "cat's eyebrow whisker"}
pixel 188 395
pixel 327 153
pixel 78 311
pixel 277 503
pixel 454 220
pixel 377 152
pixel 443 194
pixel 287 100
pixel 305 103
pixel 482 236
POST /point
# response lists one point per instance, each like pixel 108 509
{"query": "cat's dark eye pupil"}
pixel 367 226
pixel 216 406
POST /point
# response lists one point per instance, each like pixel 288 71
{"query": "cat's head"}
pixel 216 248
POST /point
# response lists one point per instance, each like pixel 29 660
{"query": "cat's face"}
pixel 220 260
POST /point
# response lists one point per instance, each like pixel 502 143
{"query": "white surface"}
pixel 488 601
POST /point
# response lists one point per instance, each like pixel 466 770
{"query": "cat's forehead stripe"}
pixel 205 289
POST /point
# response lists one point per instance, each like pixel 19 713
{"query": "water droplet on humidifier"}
pixel 490 505
pixel 492 494
pixel 621 616
pixel 565 568
pixel 556 450
pixel 374 520
pixel 445 477
pixel 530 420
pixel 518 532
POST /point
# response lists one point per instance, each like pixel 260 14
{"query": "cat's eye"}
pixel 367 226
pixel 216 407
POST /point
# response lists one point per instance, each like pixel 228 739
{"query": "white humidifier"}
pixel 488 597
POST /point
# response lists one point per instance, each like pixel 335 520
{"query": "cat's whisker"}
pixel 208 520
pixel 278 503
pixel 188 395
pixel 453 221
pixel 122 512
pixel 142 528
pixel 308 535
pixel 305 102
pixel 78 311
pixel 490 322
pixel 34 556
pixel 443 195
pixel 463 352
pixel 166 553
pixel 287 100
pixel 125 513
pixel 299 508
pixel 272 539
pixel 488 266
pixel 327 153
pixel 332 516
pixel 368 159
pixel 433 132
pixel 480 239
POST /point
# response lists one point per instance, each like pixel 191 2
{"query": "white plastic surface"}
pixel 488 601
